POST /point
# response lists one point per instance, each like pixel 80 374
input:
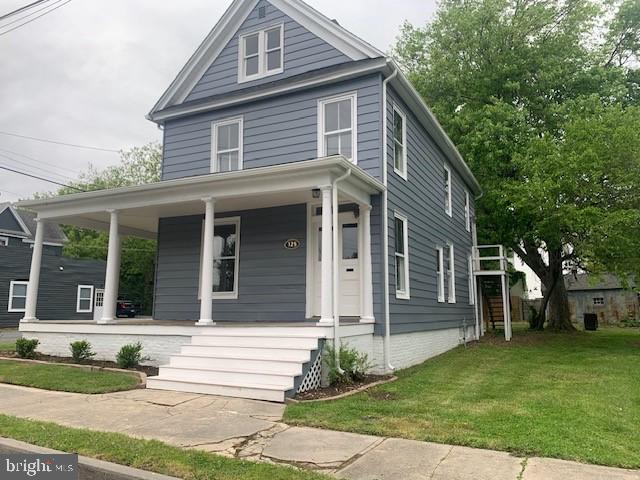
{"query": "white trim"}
pixel 451 274
pixel 353 98
pixel 214 167
pixel 262 54
pixel 440 275
pixel 236 273
pixel 472 297
pixel 11 296
pixel 400 171
pixel 309 271
pixel 18 219
pixel 448 189
pixel 4 241
pixel 406 293
pixel 50 244
pixel 78 298
pixel 467 210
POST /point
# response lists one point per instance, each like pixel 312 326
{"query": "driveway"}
pixel 254 430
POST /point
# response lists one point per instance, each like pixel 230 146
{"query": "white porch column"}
pixel 112 277
pixel 206 281
pixel 34 275
pixel 367 276
pixel 326 287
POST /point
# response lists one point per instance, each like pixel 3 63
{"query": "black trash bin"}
pixel 591 322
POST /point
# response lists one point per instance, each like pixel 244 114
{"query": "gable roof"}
pixel 586 282
pixel 26 219
pixel 318 24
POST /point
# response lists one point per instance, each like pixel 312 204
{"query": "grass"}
pixel 7 347
pixel 145 454
pixel 572 396
pixel 65 378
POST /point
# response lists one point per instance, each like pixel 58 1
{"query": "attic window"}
pixel 261 54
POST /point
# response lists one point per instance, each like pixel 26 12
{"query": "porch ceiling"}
pixel 141 206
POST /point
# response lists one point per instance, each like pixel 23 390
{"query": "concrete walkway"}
pixel 253 430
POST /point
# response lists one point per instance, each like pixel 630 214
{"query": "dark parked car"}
pixel 125 309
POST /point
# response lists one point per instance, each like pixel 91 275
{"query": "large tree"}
pixel 542 99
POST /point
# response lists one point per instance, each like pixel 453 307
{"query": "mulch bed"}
pixel 335 390
pixel 148 370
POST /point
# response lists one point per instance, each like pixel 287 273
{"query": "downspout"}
pixel 385 223
pixel 336 269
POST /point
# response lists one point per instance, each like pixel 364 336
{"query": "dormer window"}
pixel 261 54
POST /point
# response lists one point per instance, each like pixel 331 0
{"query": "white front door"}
pixel 98 305
pixel 348 249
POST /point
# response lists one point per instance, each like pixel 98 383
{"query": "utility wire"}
pixel 29 14
pixel 24 163
pixel 12 152
pixel 40 178
pixel 34 18
pixel 22 9
pixel 75 145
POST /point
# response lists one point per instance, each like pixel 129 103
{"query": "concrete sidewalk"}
pixel 253 430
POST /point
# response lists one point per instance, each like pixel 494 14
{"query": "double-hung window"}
pixel 337 131
pixel 226 250
pixel 17 296
pixel 402 256
pixel 451 275
pixel 226 145
pixel 447 191
pixel 261 54
pixel 84 303
pixel 467 211
pixel 399 143
pixel 440 273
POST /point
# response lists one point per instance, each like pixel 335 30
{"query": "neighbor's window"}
pixel 402 256
pixel 440 273
pixel 451 275
pixel 17 295
pixel 226 245
pixel 337 127
pixel 467 211
pixel 4 242
pixel 447 191
pixel 399 143
pixel 84 303
pixel 226 141
pixel 261 54
pixel 598 301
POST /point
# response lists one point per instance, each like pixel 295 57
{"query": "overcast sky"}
pixel 88 73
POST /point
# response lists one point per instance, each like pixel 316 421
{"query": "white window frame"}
pixel 467 210
pixel 91 300
pixel 214 142
pixel 400 171
pixel 448 206
pixel 217 222
pixel 11 296
pixel 262 54
pixel 451 274
pixel 440 275
pixel 472 297
pixel 4 241
pixel 598 303
pixel 406 293
pixel 353 96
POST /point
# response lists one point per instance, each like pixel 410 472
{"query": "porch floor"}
pixel 184 323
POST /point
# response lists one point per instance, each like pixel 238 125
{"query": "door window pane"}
pixel 350 241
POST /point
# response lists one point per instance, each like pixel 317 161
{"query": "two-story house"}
pixel 69 285
pixel 308 194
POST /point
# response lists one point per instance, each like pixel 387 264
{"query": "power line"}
pixel 29 14
pixel 22 9
pixel 40 178
pixel 34 18
pixel 75 172
pixel 75 145
pixel 23 163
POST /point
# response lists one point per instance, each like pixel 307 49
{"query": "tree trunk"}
pixel 559 316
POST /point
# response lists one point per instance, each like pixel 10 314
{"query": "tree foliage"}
pixel 542 98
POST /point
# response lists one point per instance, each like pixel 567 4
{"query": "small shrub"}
pixel 354 365
pixel 130 355
pixel 26 348
pixel 81 351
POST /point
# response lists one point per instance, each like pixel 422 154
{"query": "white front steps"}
pixel 262 363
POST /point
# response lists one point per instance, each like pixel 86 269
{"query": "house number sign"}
pixel 292 244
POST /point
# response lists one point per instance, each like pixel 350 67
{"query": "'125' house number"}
pixel 292 244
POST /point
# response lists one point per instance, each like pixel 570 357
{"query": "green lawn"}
pixel 573 396
pixel 7 347
pixel 145 454
pixel 64 378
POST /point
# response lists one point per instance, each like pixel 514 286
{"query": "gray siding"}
pixel 9 222
pixel 271 285
pixel 303 51
pixel 278 130
pixel 421 199
pixel 58 287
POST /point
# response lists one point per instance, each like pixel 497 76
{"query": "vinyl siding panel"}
pixel 58 287
pixel 303 52
pixel 277 130
pixel 272 280
pixel 421 199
